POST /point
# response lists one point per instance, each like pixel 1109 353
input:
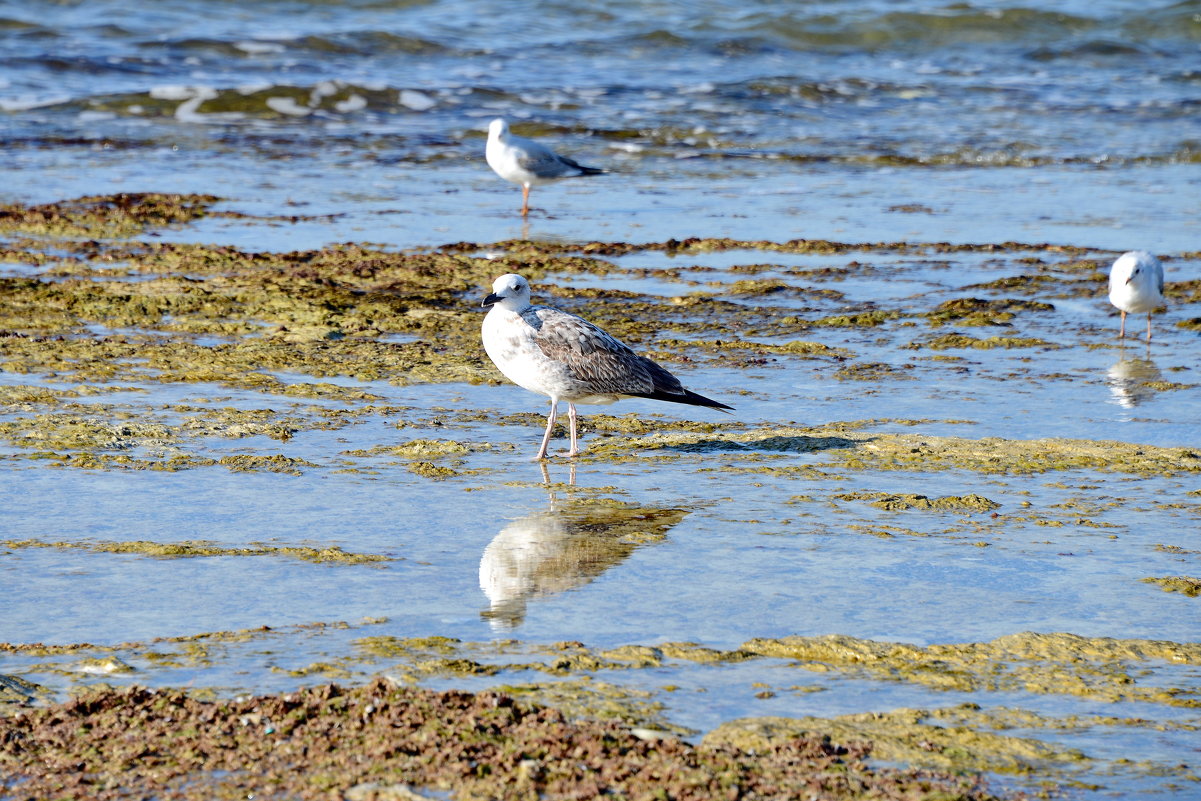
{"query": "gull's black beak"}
pixel 493 298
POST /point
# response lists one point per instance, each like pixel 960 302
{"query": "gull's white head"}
pixel 498 128
pixel 510 292
pixel 1135 266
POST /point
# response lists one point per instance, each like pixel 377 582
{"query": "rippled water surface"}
pixel 1070 123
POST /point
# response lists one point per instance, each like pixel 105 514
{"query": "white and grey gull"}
pixel 526 162
pixel 1136 286
pixel 567 358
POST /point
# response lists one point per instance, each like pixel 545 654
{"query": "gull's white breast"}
pixel 1142 292
pixel 509 342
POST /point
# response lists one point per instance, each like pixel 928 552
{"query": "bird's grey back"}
pixel 601 363
pixel 543 162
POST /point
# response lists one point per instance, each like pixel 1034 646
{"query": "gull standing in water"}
pixel 524 161
pixel 565 357
pixel 1136 286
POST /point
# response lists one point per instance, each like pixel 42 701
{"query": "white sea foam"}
pixel 417 101
pixel 173 92
pixel 288 105
pixel 259 48
pixel 26 102
pixel 352 103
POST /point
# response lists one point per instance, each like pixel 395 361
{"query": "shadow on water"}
pixel 794 444
pixel 1131 380
pixel 563 547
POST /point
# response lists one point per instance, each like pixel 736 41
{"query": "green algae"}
pixel 141 648
pixel 1100 669
pixel 16 692
pixel 952 340
pixel 353 742
pixel 1164 386
pixel 1175 549
pixel 980 312
pixel 99 216
pixel 197 548
pixel 431 470
pixel 894 502
pixel 1183 584
pixel 847 447
pixel 62 430
pixel 909 736
pixel 321 313
pixel 1061 664
pixel 418 454
pixel 270 463
pixel 794 348
pixel 887 532
pixel 872 371
pixel 327 670
pixel 958 738
pixel 418 658
pixel 430 447
pixel 869 319
pixel 598 700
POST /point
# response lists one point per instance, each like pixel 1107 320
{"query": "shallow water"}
pixel 866 122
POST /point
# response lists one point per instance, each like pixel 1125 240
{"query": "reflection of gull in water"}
pixel 1129 379
pixel 563 547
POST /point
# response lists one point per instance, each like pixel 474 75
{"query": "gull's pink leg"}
pixel 1122 333
pixel 525 200
pixel 550 426
pixel 1148 327
pixel 575 446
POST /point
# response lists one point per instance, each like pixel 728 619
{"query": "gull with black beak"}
pixel 524 161
pixel 1136 286
pixel 567 358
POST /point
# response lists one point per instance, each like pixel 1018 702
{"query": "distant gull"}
pixel 524 161
pixel 565 357
pixel 1136 286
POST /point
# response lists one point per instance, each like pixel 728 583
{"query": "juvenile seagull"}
pixel 524 161
pixel 568 358
pixel 1136 286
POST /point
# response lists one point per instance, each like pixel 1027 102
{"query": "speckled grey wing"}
pixel 602 363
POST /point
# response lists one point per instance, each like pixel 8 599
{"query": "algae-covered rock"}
pixel 869 319
pixel 318 742
pixel 200 548
pixel 980 312
pixel 1183 584
pixel 104 215
pixel 949 341
pixel 908 736
pixel 1095 667
pixel 896 502
pixel 18 692
pixel 872 371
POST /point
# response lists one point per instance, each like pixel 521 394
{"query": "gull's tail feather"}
pixel 575 165
pixel 687 397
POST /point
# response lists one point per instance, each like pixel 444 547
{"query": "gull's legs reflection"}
pixel 1130 379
